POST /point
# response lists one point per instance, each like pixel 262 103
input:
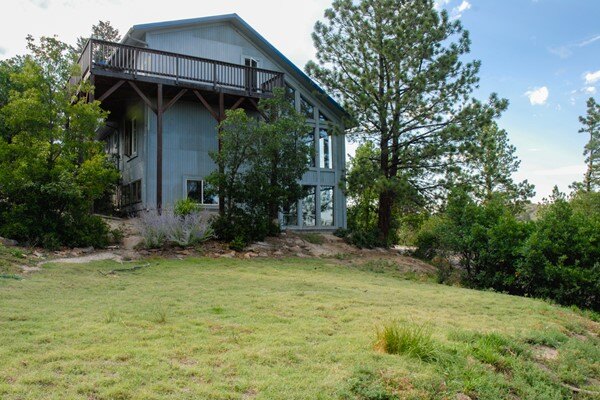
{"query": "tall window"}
pixel 290 214
pixel 306 108
pixel 325 160
pixel 201 192
pixel 326 206
pixel 322 117
pixel 309 207
pixel 251 74
pixel 309 139
pixel 290 95
pixel 131 138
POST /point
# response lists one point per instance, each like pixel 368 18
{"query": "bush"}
pixel 169 229
pixel 555 257
pixel 185 207
pixel 408 339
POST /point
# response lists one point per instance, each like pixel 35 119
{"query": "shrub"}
pixel 167 228
pixel 408 339
pixel 185 207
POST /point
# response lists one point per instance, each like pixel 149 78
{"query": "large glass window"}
pixel 325 160
pixel 309 139
pixel 307 109
pixel 290 214
pixel 309 207
pixel 201 192
pixel 290 95
pixel 326 206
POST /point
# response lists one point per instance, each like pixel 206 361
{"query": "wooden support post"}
pixel 221 119
pixel 159 147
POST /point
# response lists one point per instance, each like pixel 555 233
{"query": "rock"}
pixel 228 255
pixel 86 250
pixel 130 242
pixel 8 242
pixel 278 253
pixel 263 254
pixel 462 396
pixel 250 255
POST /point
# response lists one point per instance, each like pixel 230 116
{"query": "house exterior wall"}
pixel 190 134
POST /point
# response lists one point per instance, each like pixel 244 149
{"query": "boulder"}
pixel 8 242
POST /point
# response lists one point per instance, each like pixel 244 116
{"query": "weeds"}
pixel 168 228
pixel 313 238
pixel 407 339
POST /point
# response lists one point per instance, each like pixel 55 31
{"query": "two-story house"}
pixel 167 86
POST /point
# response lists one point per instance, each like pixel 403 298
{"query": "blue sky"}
pixel 536 53
pixel 544 56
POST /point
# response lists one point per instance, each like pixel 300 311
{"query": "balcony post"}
pixel 159 146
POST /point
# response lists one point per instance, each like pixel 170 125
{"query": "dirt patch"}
pixel 100 256
pixel 545 353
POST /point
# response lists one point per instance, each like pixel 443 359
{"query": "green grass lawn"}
pixel 277 329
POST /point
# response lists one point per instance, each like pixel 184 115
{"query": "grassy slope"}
pixel 268 329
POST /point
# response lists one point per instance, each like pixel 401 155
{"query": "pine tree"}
pixel 103 31
pixel 591 127
pixel 490 166
pixel 396 66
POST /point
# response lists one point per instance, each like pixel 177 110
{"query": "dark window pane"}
pixel 310 141
pixel 209 196
pixel 290 215
pixel 309 207
pixel 290 95
pixel 306 108
pixel 322 117
pixel 327 205
pixel 194 190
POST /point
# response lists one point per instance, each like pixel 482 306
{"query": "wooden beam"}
pixel 255 104
pixel 206 105
pixel 221 170
pixel 159 148
pixel 174 100
pixel 143 96
pixel 111 90
pixel 238 103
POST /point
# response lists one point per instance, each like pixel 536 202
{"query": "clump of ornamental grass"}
pixel 409 339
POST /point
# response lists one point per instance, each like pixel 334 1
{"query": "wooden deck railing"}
pixel 100 55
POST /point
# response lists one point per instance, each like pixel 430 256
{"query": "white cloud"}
pixel 588 41
pixel 2 51
pixel 465 5
pixel 592 77
pixel 538 96
pixel 440 3
pixel 590 90
pixel 457 12
pixel 40 3
pixel 566 51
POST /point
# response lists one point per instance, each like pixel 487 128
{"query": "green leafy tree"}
pixel 261 162
pixel 591 127
pixel 362 189
pixel 103 30
pixel 396 66
pixel 51 166
pixel 490 165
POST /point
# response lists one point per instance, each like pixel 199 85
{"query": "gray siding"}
pixel 189 131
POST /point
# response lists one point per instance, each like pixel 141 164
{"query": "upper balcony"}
pixel 108 59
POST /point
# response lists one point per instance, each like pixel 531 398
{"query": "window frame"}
pixel 202 195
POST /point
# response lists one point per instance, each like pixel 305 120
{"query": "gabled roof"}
pixel 136 32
